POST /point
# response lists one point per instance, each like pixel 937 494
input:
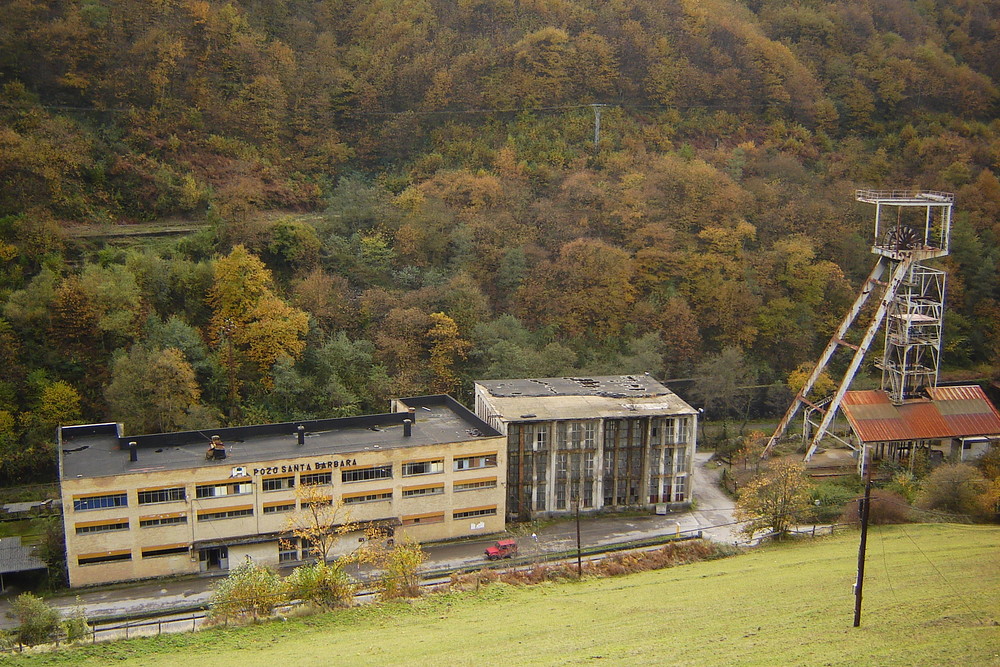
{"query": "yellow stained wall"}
pixel 265 551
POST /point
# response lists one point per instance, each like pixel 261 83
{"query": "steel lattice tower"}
pixel 911 299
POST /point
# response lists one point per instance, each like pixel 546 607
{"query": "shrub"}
pixel 399 564
pixel 76 626
pixel 887 507
pixel 249 590
pixel 958 488
pixel 832 497
pixel 37 621
pixel 325 585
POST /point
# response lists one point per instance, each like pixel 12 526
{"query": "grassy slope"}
pixel 788 605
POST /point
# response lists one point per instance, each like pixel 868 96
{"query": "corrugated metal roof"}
pixel 950 412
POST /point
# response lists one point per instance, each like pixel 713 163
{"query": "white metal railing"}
pixel 925 196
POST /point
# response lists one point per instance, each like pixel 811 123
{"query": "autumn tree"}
pixel 320 522
pixel 249 320
pixel 823 387
pixel 397 561
pixel 775 499
pixel 586 290
pixel 447 349
pixel 155 391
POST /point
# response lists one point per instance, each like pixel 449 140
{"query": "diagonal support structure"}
pixel 898 270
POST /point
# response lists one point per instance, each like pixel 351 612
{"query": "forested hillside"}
pixel 398 196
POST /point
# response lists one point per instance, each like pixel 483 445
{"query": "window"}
pixel 365 474
pixel 422 519
pixel 104 527
pixel 164 520
pixel 231 513
pixel 423 491
pixel 316 478
pixel 681 459
pixel 679 489
pixel 476 484
pixel 150 496
pixel 221 489
pixel 471 513
pixel 372 497
pixel 536 437
pixel 169 550
pixel 100 502
pixel 277 483
pixel 288 550
pixel 423 467
pixel 104 557
pixel 279 507
pixel 478 461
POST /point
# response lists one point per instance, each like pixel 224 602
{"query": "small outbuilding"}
pixel 949 423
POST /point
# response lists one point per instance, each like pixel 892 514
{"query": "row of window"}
pixel 151 552
pixel 276 508
pixel 242 487
pixel 288 550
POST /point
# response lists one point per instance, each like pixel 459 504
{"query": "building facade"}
pixel 606 442
pixel 157 505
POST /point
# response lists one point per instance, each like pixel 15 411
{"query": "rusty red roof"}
pixel 950 412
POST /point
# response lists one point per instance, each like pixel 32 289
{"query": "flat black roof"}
pixel 97 450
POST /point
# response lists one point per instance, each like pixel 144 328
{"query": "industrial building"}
pixel 165 504
pixel 603 442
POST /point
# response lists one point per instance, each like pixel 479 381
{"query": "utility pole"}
pixel 579 555
pixel 865 507
pixel 597 123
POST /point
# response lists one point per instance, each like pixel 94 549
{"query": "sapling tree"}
pixel 774 499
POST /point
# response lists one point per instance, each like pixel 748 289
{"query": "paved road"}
pixel 713 514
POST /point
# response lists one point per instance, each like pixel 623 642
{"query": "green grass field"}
pixel 932 597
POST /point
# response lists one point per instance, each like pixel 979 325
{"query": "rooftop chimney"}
pixel 407 428
pixel 301 430
pixel 133 451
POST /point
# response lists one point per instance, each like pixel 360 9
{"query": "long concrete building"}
pixel 605 442
pixel 155 505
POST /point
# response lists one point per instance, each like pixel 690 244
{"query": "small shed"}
pixel 16 558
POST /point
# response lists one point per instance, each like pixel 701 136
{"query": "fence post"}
pixel 126 631
pixel 194 622
pixel 159 628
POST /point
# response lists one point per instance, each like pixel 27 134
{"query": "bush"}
pixel 37 621
pixel 325 585
pixel 249 590
pixel 958 488
pixel 833 498
pixel 76 626
pixel 887 507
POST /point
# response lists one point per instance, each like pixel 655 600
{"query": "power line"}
pixel 955 593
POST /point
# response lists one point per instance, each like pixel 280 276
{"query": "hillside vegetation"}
pixel 397 197
pixel 930 599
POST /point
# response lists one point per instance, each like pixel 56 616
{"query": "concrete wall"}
pixel 195 534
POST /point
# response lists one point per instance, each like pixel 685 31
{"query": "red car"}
pixel 502 549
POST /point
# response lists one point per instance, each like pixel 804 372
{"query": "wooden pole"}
pixel 866 506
